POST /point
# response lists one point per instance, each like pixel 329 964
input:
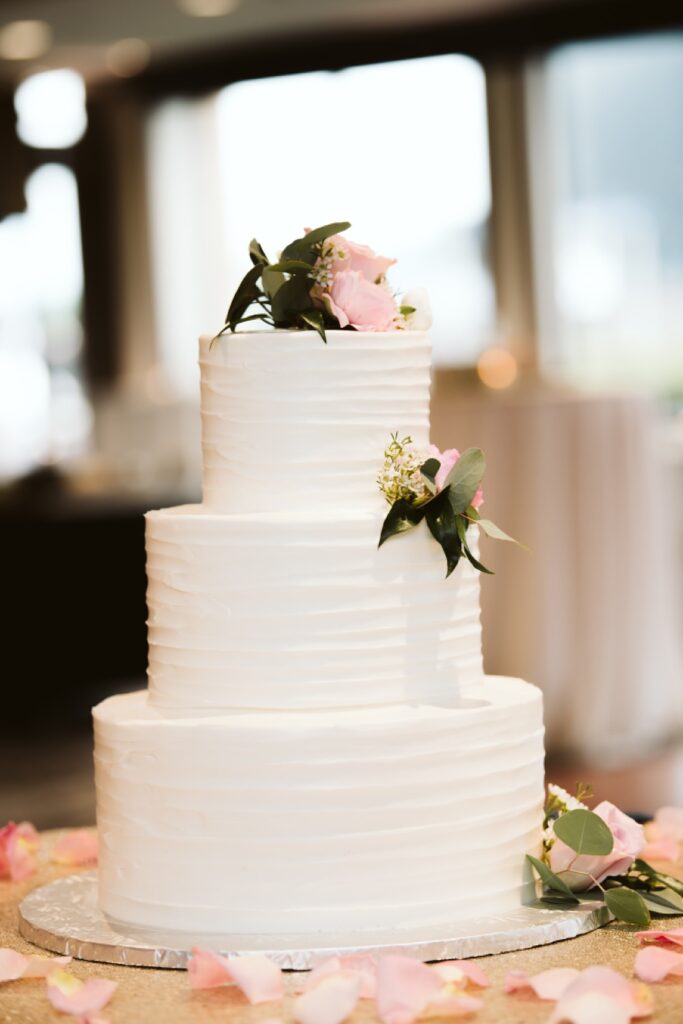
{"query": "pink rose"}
pixel 358 257
pixel 357 302
pixel 448 459
pixel 629 840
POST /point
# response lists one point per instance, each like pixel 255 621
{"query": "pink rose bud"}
pixel 581 872
pixel 358 303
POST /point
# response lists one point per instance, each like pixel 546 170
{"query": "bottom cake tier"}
pixel 354 820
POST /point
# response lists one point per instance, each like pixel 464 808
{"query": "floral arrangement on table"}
pixel 598 855
pixel 443 488
pixel 323 281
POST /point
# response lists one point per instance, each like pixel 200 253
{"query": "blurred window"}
pixel 44 413
pixel 608 189
pixel 399 149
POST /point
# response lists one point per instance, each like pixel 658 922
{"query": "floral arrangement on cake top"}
pixel 443 488
pixel 324 281
pixel 597 855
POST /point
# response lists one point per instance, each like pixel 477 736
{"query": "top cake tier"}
pixel 289 421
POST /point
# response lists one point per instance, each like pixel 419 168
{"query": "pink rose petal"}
pixel 18 845
pixel 451 971
pixel 362 966
pixel 208 969
pixel 15 965
pixel 71 995
pixel 76 848
pixel 663 848
pixel 12 964
pixel 405 987
pixel 258 977
pixel 633 997
pixel 674 936
pixel 669 821
pixel 589 1008
pixel 550 984
pixel 654 963
pixel 460 1005
pixel 329 1002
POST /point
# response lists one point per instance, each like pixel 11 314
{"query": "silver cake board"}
pixel 64 917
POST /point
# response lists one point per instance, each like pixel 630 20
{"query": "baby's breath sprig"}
pixel 400 476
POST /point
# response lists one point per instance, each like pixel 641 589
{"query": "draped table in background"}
pixel 148 996
pixel 592 613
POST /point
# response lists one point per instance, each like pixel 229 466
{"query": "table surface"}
pixel 148 996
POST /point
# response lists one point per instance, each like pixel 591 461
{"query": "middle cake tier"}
pixel 283 611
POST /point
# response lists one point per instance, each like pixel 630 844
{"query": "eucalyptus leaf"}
pixel 429 469
pixel 584 832
pixel 559 901
pixel 442 523
pixel 402 516
pixel 465 477
pixel 256 253
pixel 462 533
pixel 627 906
pixel 551 880
pixel 290 266
pixel 491 530
pixel 314 318
pixel 306 244
pixel 292 298
pixel 247 293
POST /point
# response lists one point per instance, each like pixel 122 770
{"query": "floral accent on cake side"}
pixel 598 853
pixel 443 488
pixel 324 281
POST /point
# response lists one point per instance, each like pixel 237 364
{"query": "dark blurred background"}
pixel 522 160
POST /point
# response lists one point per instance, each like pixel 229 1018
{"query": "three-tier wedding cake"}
pixel 319 750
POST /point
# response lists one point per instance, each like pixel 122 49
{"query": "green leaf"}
pixel 314 319
pixel 462 533
pixel 291 299
pixel 429 469
pixel 406 310
pixel 465 477
pixel 272 281
pixel 584 832
pixel 247 292
pixel 306 244
pixel 491 530
pixel 442 524
pixel 663 901
pixel 556 900
pixel 290 266
pixel 256 253
pixel 627 906
pixel 551 880
pixel 402 516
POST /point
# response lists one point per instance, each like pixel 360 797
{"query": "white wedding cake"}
pixel 319 750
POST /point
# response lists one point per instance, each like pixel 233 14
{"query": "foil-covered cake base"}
pixel 64 917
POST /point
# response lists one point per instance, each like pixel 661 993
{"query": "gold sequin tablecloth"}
pixel 148 996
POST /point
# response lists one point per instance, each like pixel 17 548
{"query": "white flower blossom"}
pixel 417 299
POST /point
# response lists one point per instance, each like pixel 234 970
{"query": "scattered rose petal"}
pixel 71 995
pixel 550 984
pixel 674 936
pixel 654 963
pixel 662 848
pixel 447 1005
pixel 589 1008
pixel 635 998
pixel 668 821
pixel 258 977
pixel 362 966
pixel 329 1002
pixel 462 972
pixel 15 965
pixel 76 848
pixel 18 845
pixel 405 988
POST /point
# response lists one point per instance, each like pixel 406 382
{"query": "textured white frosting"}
pixel 255 611
pixel 289 422
pixel 257 822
